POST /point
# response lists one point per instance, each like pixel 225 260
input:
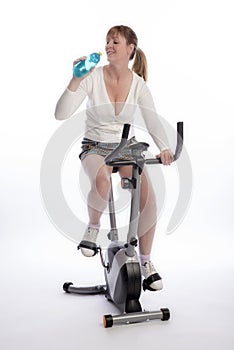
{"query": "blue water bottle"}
pixel 83 67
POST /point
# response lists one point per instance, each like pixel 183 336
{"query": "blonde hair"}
pixel 140 63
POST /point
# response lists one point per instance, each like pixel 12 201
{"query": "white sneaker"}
pixel 153 280
pixel 88 245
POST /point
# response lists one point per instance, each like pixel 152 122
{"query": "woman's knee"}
pixel 102 181
pixel 101 184
pixel 98 173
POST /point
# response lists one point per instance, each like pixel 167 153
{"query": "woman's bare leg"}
pixel 146 229
pixel 148 215
pixel 99 175
pixel 148 211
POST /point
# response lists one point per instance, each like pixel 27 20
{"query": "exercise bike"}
pixel 122 269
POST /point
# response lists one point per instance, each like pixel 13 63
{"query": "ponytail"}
pixel 140 63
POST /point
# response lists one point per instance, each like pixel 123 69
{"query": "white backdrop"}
pixel 189 46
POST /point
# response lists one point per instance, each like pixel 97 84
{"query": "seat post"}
pixel 113 234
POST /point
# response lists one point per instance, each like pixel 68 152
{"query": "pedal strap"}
pixel 88 245
pixel 147 281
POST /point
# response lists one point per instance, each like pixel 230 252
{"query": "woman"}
pixel 110 90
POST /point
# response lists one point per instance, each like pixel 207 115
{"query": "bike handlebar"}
pixel 112 158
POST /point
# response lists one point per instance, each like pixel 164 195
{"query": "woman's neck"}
pixel 117 73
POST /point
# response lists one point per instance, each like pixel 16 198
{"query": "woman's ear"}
pixel 132 51
pixel 131 48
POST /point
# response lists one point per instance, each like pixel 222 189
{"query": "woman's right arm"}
pixel 72 97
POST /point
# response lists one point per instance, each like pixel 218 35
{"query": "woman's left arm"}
pixel 154 125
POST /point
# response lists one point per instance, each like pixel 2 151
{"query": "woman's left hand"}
pixel 166 157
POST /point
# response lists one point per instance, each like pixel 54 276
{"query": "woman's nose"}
pixel 109 44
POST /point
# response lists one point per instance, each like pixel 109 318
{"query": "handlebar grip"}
pixel 180 129
pixel 126 129
pixel 180 139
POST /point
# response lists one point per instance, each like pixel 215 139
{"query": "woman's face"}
pixel 117 48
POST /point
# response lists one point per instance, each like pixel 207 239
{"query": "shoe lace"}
pixel 150 267
pixel 92 232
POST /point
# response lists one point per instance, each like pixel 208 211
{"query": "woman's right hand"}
pixel 75 62
pixel 82 59
pixel 75 81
